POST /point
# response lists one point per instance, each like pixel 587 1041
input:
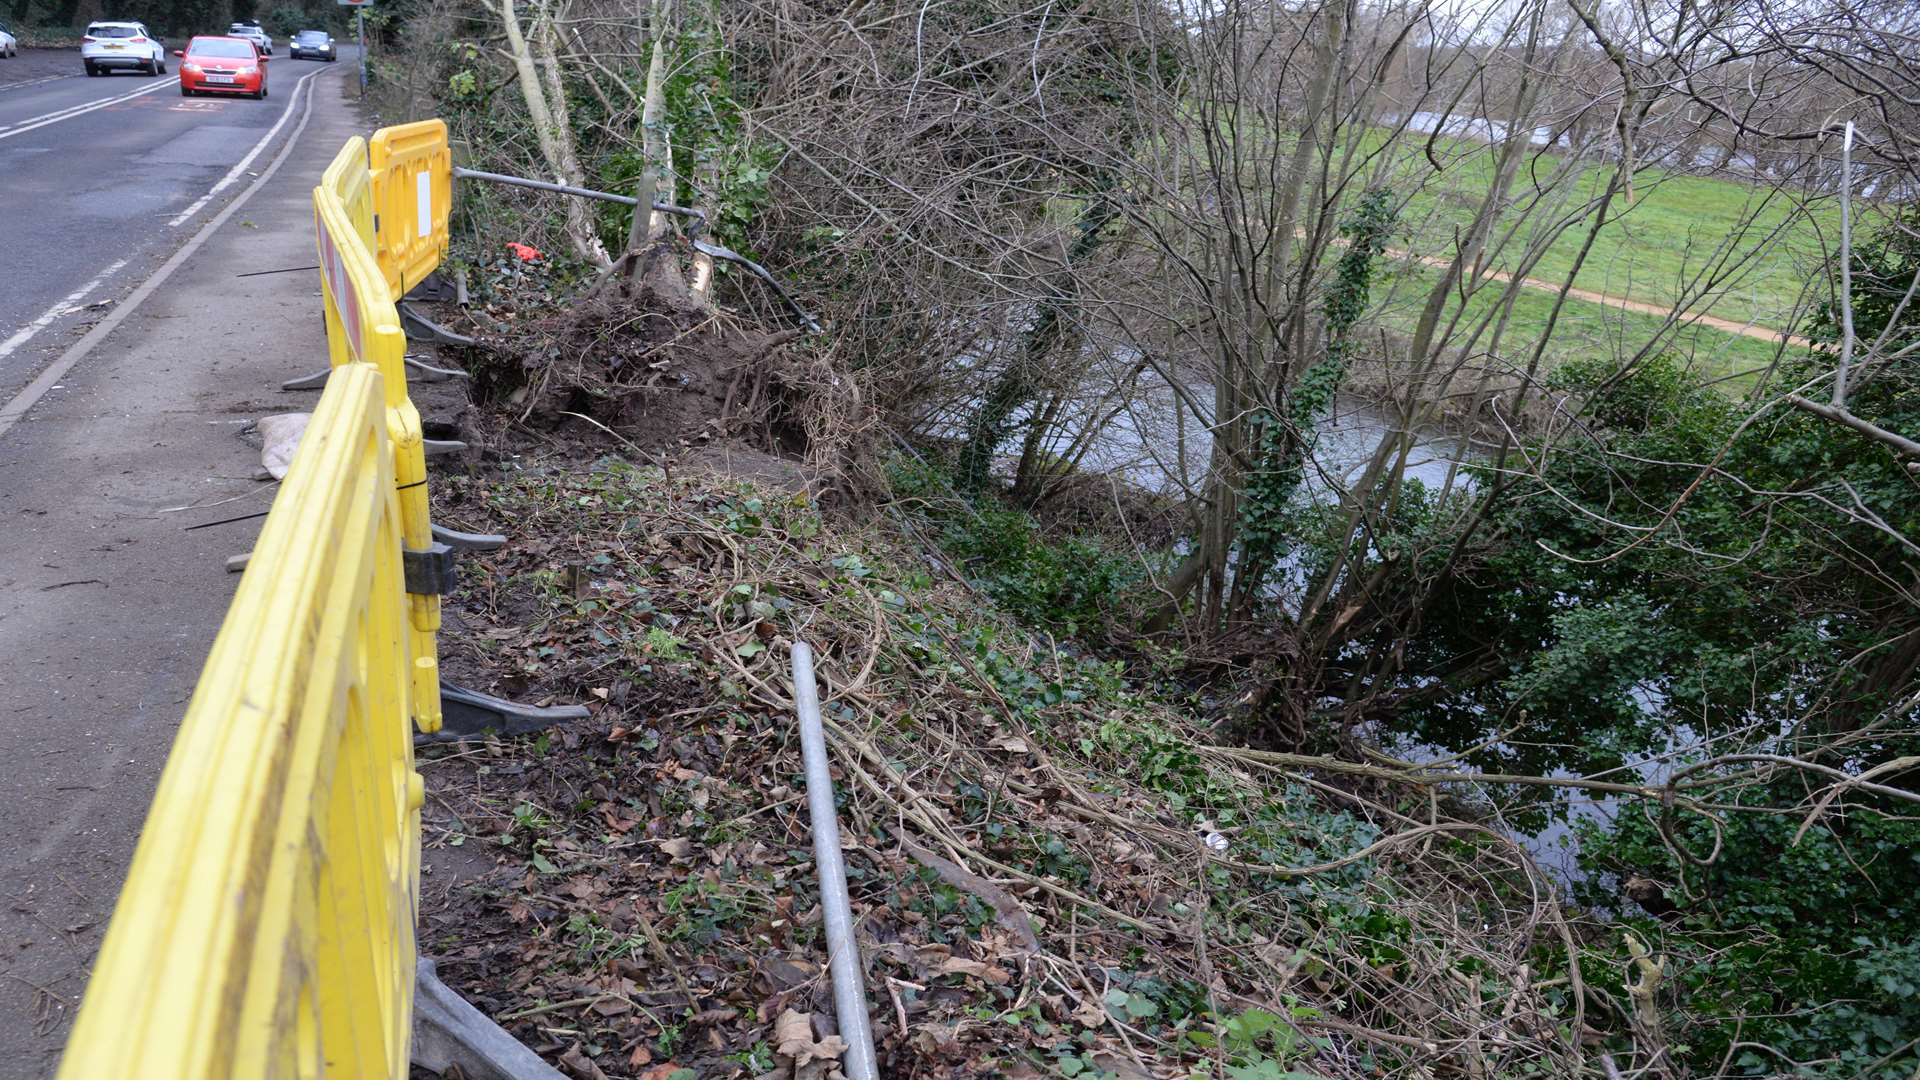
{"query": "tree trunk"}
pixel 539 79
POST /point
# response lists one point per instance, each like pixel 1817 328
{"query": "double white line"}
pixel 21 127
pixel 73 302
pixel 245 163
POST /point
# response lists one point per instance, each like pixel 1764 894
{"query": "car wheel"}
pixel 163 65
pixel 153 69
pixel 184 92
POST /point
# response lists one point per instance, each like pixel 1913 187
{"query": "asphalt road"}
pixel 124 477
pixel 102 178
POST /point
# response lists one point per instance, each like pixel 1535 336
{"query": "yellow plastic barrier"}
pixel 266 925
pixel 412 175
pixel 363 325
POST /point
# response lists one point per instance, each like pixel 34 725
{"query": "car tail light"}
pixel 138 40
pixel 89 39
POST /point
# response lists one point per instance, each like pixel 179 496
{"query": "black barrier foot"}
pixel 449 1033
pixel 315 381
pixel 467 713
pixel 434 288
pixel 464 541
pixel 424 372
pixel 421 328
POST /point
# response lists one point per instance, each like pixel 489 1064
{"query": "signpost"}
pixel 360 28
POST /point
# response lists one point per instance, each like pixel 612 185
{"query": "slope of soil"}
pixel 1051 873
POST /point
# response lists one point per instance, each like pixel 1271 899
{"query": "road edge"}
pixel 17 407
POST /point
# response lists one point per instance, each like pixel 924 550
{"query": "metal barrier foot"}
pixel 421 328
pixel 467 713
pixel 449 1033
pixel 465 541
pixel 438 447
pixel 315 381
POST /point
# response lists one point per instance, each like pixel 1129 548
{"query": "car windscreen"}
pixel 112 31
pixel 314 36
pixel 229 50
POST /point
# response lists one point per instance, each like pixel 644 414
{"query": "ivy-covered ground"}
pixel 1052 872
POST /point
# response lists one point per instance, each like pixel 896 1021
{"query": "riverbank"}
pixel 1051 873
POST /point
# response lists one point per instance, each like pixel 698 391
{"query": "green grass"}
pixel 1646 251
pixel 1583 329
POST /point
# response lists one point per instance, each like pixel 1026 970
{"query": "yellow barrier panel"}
pixel 266 925
pixel 363 325
pixel 412 172
pixel 351 185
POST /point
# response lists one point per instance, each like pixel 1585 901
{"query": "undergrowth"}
pixel 1068 582
pixel 1054 873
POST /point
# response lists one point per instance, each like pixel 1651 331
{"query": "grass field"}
pixel 1584 329
pixel 1647 251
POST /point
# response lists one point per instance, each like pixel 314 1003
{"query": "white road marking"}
pixel 39 81
pixel 12 412
pixel 233 174
pixel 67 306
pixel 33 123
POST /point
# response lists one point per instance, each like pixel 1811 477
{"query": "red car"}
pixel 222 65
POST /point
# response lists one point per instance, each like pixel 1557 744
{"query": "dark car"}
pixel 311 44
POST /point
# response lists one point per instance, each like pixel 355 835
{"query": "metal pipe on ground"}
pixel 843 956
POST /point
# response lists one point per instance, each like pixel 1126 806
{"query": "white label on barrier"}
pixel 423 197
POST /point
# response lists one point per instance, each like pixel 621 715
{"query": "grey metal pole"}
pixel 843 956
pixel 714 250
pixel 542 185
pixel 360 24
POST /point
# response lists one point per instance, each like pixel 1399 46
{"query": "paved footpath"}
pixel 107 603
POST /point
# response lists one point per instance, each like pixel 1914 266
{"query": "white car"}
pixel 112 45
pixel 9 45
pixel 252 32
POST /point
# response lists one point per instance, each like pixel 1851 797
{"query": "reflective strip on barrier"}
pixel 412 177
pixel 348 181
pixel 266 925
pixel 363 325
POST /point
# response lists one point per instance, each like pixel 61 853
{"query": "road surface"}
pixel 119 428
pixel 102 178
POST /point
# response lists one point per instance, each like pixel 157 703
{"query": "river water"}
pixel 1152 446
pixel 1159 447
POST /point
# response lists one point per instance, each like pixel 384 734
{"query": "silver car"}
pixel 109 46
pixel 252 32
pixel 9 45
